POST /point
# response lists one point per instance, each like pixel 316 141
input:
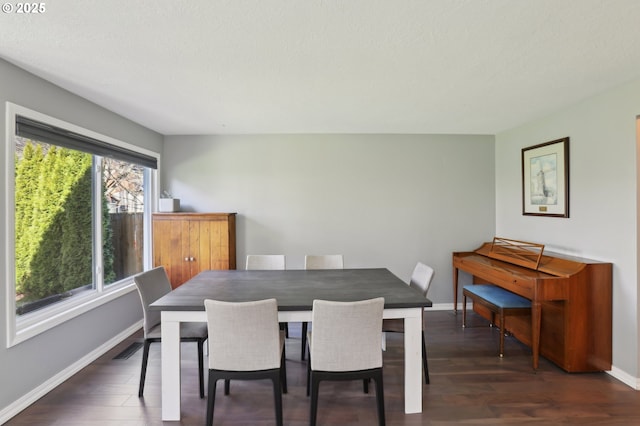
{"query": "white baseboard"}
pixel 17 406
pixel 446 307
pixel 624 377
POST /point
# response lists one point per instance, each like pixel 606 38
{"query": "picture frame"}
pixel 545 179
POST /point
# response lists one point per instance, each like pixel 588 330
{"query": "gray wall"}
pixel 30 364
pixel 381 200
pixel 603 200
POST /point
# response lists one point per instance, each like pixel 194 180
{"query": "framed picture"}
pixel 545 179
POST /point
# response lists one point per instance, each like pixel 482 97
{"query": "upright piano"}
pixel 571 300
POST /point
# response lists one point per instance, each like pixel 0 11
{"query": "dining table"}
pixel 295 290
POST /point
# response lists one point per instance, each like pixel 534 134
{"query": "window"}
pixel 79 211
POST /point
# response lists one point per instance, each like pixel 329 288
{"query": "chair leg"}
pixel 201 366
pixel 277 396
pixel 425 365
pixel 365 385
pixel 285 327
pixel 303 350
pixel 380 397
pixel 315 377
pixel 309 376
pixel 211 399
pixel 143 369
pixel 315 385
pixel 227 385
pixel 274 375
pixel 283 371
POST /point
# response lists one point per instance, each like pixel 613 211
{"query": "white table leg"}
pixel 413 363
pixel 170 368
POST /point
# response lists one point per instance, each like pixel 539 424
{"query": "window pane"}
pixel 54 226
pixel 123 188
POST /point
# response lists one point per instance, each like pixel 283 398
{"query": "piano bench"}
pixel 498 301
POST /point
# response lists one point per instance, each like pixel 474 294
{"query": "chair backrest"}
pixel 265 261
pixel 346 335
pixel 324 261
pixel 243 336
pixel 421 278
pixel 152 285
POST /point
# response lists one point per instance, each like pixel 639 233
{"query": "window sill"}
pixel 37 322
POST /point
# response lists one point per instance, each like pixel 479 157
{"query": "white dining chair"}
pixel 321 261
pixel 324 261
pixel 252 349
pixel 345 345
pixel 152 285
pixel 420 280
pixel 265 261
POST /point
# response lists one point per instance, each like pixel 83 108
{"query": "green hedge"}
pixel 54 246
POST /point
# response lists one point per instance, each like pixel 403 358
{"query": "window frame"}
pixel 37 322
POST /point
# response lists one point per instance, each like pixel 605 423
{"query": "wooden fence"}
pixel 127 243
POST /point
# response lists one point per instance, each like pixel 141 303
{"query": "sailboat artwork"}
pixel 544 182
pixel 545 179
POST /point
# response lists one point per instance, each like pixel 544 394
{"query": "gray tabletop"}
pixel 294 289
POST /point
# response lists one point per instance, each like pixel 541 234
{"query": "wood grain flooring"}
pixel 470 385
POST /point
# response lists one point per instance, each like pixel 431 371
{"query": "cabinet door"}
pixel 223 242
pixel 171 247
pixel 182 271
pixel 196 252
pixel 209 245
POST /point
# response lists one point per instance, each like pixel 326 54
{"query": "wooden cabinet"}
pixel 187 243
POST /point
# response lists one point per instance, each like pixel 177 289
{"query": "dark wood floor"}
pixel 470 384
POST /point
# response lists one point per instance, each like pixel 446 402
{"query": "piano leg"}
pixel 536 313
pixel 455 290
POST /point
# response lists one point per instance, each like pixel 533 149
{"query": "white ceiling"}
pixel 329 66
